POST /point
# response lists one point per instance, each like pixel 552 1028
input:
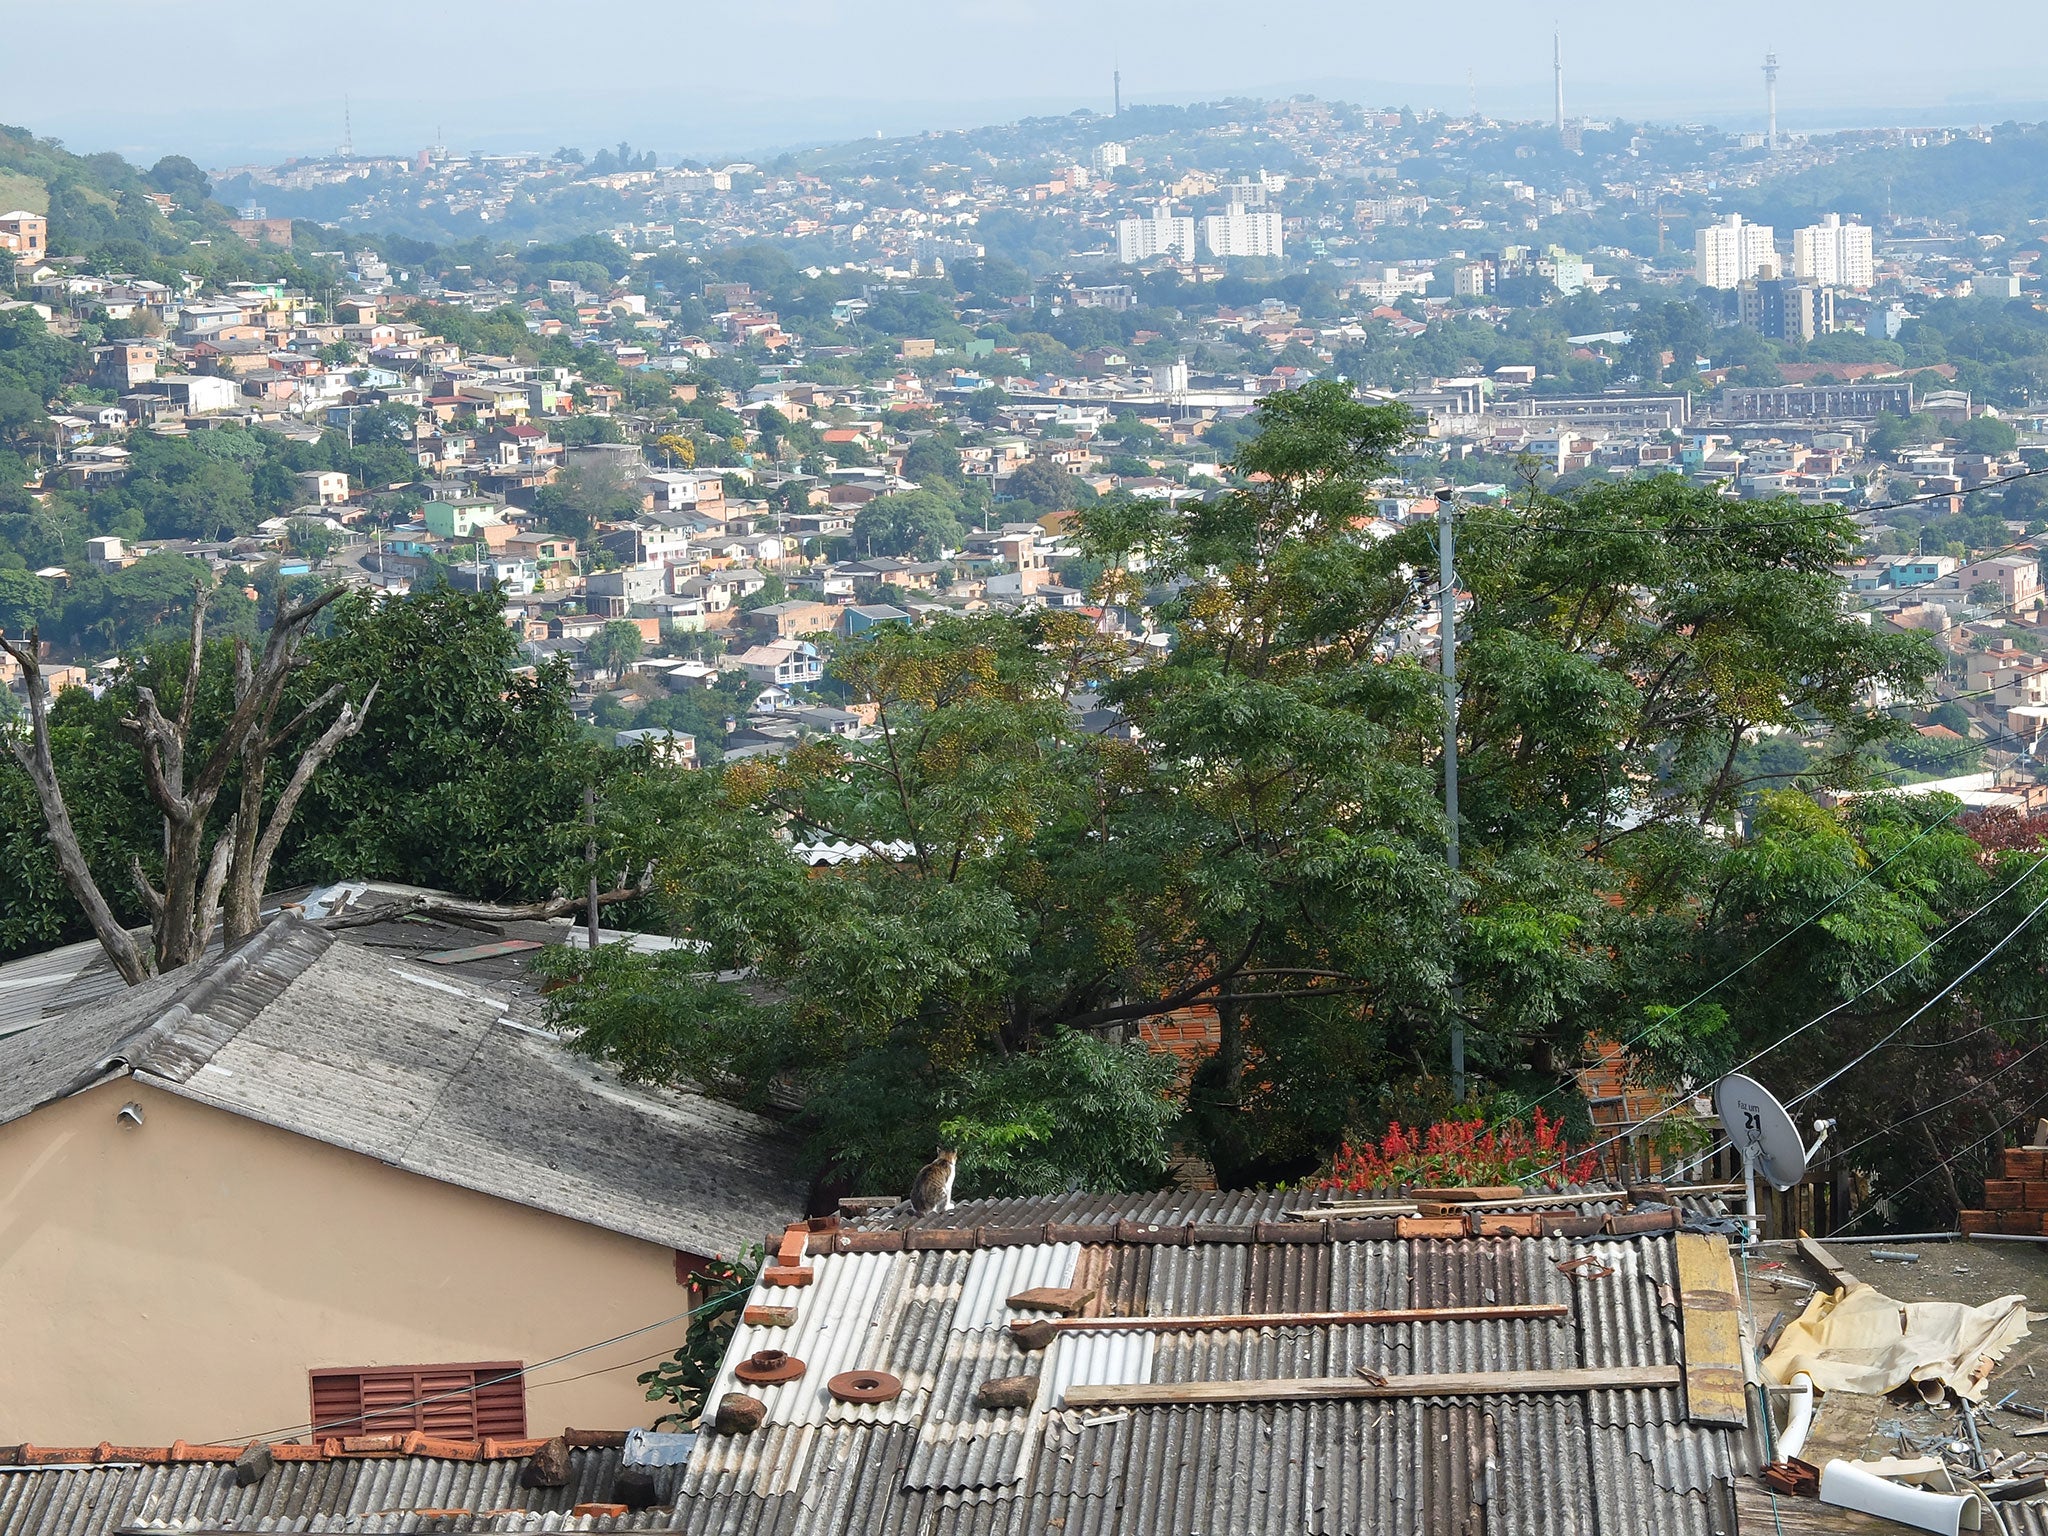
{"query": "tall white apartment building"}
pixel 1242 231
pixel 1164 234
pixel 1731 252
pixel 1108 157
pixel 1833 254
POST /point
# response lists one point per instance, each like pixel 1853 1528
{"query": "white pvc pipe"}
pixel 1800 1419
pixel 1850 1487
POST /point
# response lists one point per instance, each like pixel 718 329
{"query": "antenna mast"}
pixel 1557 75
pixel 1771 103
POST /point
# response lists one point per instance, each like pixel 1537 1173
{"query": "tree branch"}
pixel 345 724
pixel 274 741
pixel 152 898
pixel 449 906
pixel 202 594
pixel 206 911
pixel 163 757
pixel 1194 991
pixel 254 702
pixel 34 756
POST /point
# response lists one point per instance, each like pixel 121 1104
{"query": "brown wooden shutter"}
pixel 468 1401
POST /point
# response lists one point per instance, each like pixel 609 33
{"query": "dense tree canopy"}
pixel 919 523
pixel 1267 838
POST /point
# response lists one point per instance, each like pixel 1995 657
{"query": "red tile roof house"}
pixel 347 1179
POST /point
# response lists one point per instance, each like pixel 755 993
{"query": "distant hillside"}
pixel 98 202
pixel 1990 188
pixel 111 216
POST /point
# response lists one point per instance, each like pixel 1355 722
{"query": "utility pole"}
pixel 1447 634
pixel 590 857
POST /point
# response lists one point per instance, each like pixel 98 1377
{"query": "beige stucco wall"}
pixel 177 1280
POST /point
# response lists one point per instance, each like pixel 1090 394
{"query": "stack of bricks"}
pixel 788 1249
pixel 2017 1201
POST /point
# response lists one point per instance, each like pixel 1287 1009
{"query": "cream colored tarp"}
pixel 1860 1340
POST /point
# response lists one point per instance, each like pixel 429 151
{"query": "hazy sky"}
pixel 232 84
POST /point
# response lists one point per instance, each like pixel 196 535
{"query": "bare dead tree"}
pixel 205 881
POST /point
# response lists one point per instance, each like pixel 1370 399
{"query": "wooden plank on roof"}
pixel 1326 1388
pixel 1712 1313
pixel 1842 1427
pixel 1519 1311
pixel 1758 1509
pixel 1826 1262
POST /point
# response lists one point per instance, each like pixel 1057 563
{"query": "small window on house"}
pixel 470 1401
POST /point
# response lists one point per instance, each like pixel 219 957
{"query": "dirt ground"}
pixel 1958 1270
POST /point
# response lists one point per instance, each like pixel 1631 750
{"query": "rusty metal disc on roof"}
pixel 865 1387
pixel 765 1366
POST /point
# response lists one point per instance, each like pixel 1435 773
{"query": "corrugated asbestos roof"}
pixel 369 1494
pixel 41 986
pixel 431 1069
pixel 1620 1461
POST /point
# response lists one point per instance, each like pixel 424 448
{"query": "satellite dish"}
pixel 1761 1129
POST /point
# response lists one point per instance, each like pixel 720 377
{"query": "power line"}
pixel 1983 1082
pixel 2034 869
pixel 1649 1029
pixel 1865 878
pixel 1951 1159
pixel 1895 1033
pixel 470 1390
pixel 1917 1012
pixel 1829 514
pixel 1974 966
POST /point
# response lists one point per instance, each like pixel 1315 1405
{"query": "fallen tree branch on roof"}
pixel 428 905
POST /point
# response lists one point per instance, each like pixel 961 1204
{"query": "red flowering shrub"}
pixel 1997 830
pixel 1461 1152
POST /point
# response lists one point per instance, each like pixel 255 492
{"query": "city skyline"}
pixel 825 72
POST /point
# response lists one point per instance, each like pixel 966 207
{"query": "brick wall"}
pixel 2017 1200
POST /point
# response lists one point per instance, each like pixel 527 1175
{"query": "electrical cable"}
pixel 1972 969
pixel 1893 1035
pixel 1949 1161
pixel 470 1390
pixel 1818 515
pixel 1718 1144
pixel 2033 869
pixel 1918 1114
pixel 1801 520
pixel 1770 1426
pixel 1649 1029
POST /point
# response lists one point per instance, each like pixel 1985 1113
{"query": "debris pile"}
pixel 1858 1366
